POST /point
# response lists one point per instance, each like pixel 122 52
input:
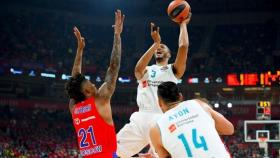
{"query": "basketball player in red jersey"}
pixel 90 107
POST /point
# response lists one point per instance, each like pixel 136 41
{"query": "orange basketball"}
pixel 178 10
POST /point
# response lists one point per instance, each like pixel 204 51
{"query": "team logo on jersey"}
pixel 83 109
pixel 144 83
pixel 77 121
pixel 172 128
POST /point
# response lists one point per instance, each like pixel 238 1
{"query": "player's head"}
pixel 162 53
pixel 168 95
pixel 79 88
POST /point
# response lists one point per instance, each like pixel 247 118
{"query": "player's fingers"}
pixel 78 32
pixel 76 35
pixel 116 17
pixel 83 40
pixel 152 26
pixel 190 15
pixel 120 14
pixel 123 16
pixel 74 29
pixel 157 29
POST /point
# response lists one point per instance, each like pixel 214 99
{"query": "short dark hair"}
pixel 168 92
pixel 73 87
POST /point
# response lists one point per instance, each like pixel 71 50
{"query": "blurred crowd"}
pixel 44 41
pixel 42 133
pixel 36 133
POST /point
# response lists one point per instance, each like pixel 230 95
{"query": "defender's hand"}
pixel 119 19
pixel 155 34
pixel 80 39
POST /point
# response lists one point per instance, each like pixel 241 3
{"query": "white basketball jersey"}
pixel 189 131
pixel 147 99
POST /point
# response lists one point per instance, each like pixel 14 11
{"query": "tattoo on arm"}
pixel 114 67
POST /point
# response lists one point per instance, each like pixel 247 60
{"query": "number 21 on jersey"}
pixel 83 133
pixel 201 143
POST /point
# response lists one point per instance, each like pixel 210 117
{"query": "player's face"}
pixel 88 89
pixel 162 53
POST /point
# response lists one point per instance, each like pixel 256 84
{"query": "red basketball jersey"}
pixel 96 138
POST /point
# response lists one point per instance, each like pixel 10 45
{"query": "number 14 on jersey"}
pixel 198 142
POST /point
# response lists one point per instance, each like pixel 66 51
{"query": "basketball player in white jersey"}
pixel 188 128
pixel 134 136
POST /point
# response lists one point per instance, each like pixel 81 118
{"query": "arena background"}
pixel 233 61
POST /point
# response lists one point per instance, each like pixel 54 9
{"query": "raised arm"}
pixel 108 87
pixel 140 68
pixel 179 65
pixel 77 67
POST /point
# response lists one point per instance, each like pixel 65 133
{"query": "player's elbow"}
pixel 229 130
pixel 183 46
pixel 136 70
pixel 225 128
pixel 137 73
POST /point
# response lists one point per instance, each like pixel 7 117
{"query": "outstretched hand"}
pixel 80 39
pixel 155 34
pixel 187 20
pixel 119 19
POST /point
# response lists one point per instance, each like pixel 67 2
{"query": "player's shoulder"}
pixel 191 101
pixel 204 104
pixel 196 103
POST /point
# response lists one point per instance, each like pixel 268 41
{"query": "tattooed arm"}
pixel 107 89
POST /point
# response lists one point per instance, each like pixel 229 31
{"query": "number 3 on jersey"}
pixel 83 133
pixel 197 145
pixel 153 73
